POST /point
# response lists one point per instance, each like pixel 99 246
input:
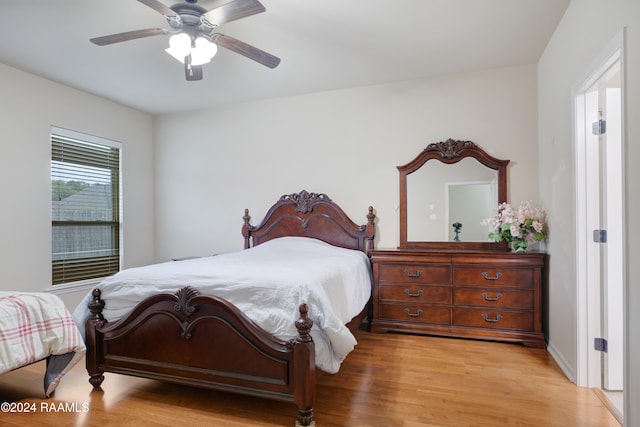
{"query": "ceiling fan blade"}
pixel 129 35
pixel 232 10
pixel 246 50
pixel 159 7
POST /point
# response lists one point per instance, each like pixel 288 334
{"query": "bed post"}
pixel 370 231
pixel 94 345
pixel 246 228
pixel 305 370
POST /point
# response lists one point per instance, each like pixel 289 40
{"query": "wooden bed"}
pixel 205 341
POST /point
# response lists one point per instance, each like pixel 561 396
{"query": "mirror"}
pixel 441 195
pixel 445 193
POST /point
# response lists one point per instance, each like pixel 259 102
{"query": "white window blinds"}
pixel 85 207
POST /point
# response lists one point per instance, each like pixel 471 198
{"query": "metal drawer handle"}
pixel 409 313
pixel 487 298
pixel 417 294
pixel 408 273
pixel 486 276
pixel 485 316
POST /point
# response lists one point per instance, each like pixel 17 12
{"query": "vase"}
pixel 524 247
pixel 518 246
pixel 538 246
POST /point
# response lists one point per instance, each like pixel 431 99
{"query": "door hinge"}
pixel 599 127
pixel 600 236
pixel 600 344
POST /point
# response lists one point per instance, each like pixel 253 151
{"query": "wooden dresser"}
pixel 470 294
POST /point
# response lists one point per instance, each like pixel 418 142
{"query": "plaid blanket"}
pixel 36 326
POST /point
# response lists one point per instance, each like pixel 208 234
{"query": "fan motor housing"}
pixel 189 13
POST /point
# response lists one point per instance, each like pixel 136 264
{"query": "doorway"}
pixel 467 204
pixel 598 124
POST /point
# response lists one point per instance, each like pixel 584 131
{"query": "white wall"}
pixel 586 29
pixel 29 106
pixel 212 164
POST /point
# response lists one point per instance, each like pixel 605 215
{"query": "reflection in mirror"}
pixel 440 195
pixel 446 192
pixel 468 205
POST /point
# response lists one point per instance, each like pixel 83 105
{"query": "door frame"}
pixel 588 311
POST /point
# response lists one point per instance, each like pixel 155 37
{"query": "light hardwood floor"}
pixel 389 380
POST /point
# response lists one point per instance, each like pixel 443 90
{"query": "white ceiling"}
pixel 323 44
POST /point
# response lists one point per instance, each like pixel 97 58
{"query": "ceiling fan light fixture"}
pixel 201 51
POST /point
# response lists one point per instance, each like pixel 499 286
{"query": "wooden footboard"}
pixel 205 341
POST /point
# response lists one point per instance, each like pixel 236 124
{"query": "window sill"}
pixel 68 288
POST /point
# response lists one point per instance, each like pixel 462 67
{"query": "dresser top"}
pixel 459 257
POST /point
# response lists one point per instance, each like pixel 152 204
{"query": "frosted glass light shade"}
pixel 203 51
pixel 179 46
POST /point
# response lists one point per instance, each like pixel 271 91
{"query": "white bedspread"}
pixel 268 283
pixel 34 326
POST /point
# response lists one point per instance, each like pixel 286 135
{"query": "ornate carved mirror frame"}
pixel 450 151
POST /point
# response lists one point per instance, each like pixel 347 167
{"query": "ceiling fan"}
pixel 194 39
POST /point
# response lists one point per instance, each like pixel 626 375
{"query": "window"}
pixel 85 206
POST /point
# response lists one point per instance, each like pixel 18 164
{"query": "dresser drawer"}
pixel 496 319
pixel 415 313
pixel 493 297
pixel 415 293
pixel 414 273
pixel 493 276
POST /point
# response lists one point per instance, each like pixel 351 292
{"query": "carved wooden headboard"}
pixel 313 215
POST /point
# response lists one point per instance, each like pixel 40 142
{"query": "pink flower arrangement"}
pixel 519 227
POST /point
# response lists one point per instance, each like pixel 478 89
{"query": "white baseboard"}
pixel 566 367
